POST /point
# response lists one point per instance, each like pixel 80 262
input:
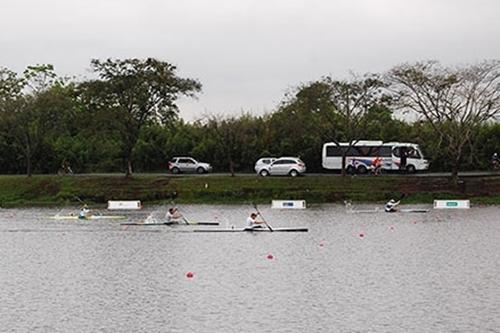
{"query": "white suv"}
pixel 188 164
pixel 263 162
pixel 291 166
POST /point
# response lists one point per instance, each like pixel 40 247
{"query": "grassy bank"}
pixel 53 190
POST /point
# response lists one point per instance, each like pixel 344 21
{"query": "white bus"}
pixel 363 155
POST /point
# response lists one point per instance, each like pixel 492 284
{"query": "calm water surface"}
pixel 434 272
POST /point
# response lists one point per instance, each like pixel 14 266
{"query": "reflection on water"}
pixel 434 272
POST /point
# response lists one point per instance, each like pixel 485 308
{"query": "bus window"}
pixel 332 151
pixel 385 152
pixel 396 151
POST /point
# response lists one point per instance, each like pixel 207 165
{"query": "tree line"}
pixel 127 119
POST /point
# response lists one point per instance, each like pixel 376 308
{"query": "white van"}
pixel 363 155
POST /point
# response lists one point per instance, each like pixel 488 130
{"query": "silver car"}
pixel 291 166
pixel 262 162
pixel 188 164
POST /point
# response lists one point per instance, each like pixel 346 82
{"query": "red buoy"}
pixel 361 235
pixel 270 256
pixel 189 275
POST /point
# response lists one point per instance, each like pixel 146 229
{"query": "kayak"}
pixel 364 211
pixel 414 210
pixel 170 223
pixel 253 230
pixel 91 217
pixel 368 211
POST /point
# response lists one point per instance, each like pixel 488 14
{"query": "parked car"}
pixel 262 162
pixel 291 166
pixel 188 164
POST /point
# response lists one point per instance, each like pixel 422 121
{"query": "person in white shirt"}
pixel 84 212
pixel 390 207
pixel 252 222
pixel 173 215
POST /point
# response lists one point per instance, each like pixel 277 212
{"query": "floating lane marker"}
pixel 451 204
pixel 289 204
pixel 124 205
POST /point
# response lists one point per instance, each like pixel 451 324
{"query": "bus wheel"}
pixel 411 169
pixel 362 169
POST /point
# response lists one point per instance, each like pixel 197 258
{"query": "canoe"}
pixel 253 230
pixel 169 223
pixel 91 217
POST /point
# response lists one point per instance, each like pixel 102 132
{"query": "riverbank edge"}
pixel 50 190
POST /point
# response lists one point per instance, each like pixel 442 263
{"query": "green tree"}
pixel 10 86
pixel 455 101
pixel 138 92
pixel 25 115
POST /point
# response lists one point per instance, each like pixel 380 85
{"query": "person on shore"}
pixel 495 161
pixel 390 207
pixel 173 214
pixel 376 167
pixel 403 159
pixel 252 222
pixel 84 212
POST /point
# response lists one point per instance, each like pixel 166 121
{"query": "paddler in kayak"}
pixel 390 207
pixel 252 222
pixel 173 215
pixel 84 212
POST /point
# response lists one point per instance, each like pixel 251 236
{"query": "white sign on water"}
pixel 451 204
pixel 289 204
pixel 125 205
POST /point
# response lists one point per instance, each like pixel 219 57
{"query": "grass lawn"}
pixel 56 190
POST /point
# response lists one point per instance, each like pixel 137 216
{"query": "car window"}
pixel 413 153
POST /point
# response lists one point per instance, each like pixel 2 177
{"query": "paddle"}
pixel 263 220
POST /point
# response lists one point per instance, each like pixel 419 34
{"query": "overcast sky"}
pixel 248 53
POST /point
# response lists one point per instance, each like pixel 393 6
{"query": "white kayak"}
pixel 253 230
pixel 170 223
pixel 91 217
pixel 371 211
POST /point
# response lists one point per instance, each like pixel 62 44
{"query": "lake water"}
pixel 401 272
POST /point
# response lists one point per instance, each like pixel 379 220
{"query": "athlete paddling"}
pixel 173 215
pixel 84 212
pixel 390 207
pixel 252 222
